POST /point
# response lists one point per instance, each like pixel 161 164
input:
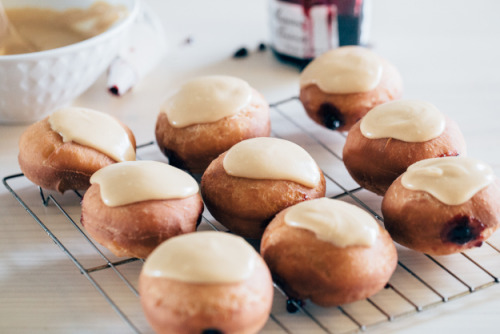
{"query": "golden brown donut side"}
pixel 419 221
pixel 246 206
pixel 176 307
pixel 53 164
pixel 195 146
pixel 309 268
pixel 136 229
pixel 375 163
pixel 324 107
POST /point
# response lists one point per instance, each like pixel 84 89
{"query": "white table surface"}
pixel 447 52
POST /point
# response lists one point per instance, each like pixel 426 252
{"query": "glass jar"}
pixel 304 29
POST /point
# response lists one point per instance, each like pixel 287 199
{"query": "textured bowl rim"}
pixel 109 33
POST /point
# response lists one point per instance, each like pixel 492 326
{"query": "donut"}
pixel 206 117
pixel 133 206
pixel 342 85
pixel 62 151
pixel 328 251
pixel 394 135
pixel 443 205
pixel 245 187
pixel 206 282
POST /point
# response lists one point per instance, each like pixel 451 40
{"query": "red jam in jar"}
pixel 304 29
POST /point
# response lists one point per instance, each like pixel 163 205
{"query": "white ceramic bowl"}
pixel 34 84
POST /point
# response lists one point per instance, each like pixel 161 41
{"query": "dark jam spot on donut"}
pixel 174 159
pixel 330 116
pixel 462 229
pixel 212 331
pixel 291 305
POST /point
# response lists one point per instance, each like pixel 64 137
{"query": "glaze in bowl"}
pixel 34 84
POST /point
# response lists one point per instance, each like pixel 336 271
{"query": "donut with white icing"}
pixel 339 87
pixel 132 207
pixel 394 135
pixel 206 282
pixel 245 187
pixel 62 151
pixel 206 117
pixel 328 251
pixel 443 205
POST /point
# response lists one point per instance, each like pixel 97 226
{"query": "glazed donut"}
pixel 131 207
pixel 62 151
pixel 394 135
pixel 206 282
pixel 206 117
pixel 245 187
pixel 342 85
pixel 328 251
pixel 443 205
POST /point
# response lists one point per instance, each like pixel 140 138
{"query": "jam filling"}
pixel 212 331
pixel 462 230
pixel 330 116
pixel 174 159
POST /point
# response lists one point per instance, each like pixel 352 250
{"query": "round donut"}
pixel 374 163
pixel 341 110
pixel 419 220
pixel 135 229
pixel 193 147
pixel 52 163
pixel 328 273
pixel 178 304
pixel 246 205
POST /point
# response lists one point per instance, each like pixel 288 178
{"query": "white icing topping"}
pixel 348 69
pixel 272 158
pixel 93 129
pixel 406 120
pixel 452 180
pixel 338 222
pixel 203 257
pixel 206 100
pixel 135 181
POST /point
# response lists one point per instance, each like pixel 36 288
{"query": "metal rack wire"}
pixel 419 282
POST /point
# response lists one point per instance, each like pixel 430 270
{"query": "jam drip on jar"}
pixel 346 14
pixel 462 230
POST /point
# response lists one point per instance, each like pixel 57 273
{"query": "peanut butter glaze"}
pixel 206 100
pixel 452 180
pixel 272 158
pixel 338 222
pixel 406 120
pixel 203 257
pixel 44 29
pixel 348 69
pixel 135 181
pixel 93 129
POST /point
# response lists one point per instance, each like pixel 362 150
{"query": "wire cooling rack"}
pixel 419 282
